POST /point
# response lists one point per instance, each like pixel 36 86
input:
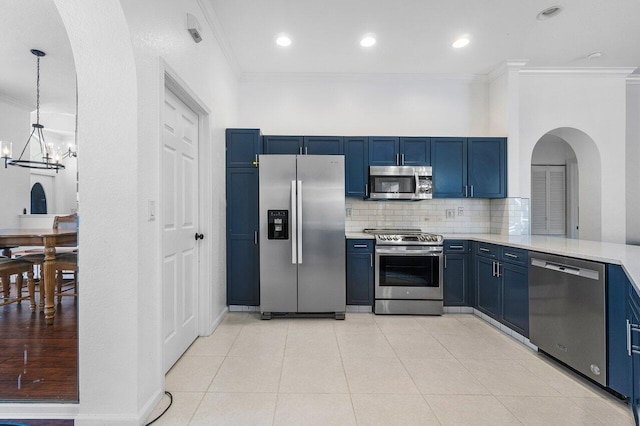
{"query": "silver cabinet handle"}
pixel 628 337
pixel 397 159
pixel 255 237
pixel 466 191
pixel 471 191
pixel 456 247
pixel 482 249
pixel 360 246
pixel 300 150
pixel 366 189
pixel 493 269
pixel 299 222
pixel 371 260
pixel 294 223
pixel 402 161
pixel 498 270
pixel 631 348
pixel 445 261
pixel 513 256
pixel 255 161
pixel 306 150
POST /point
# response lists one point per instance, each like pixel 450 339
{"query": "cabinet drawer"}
pixel 487 250
pixel 456 246
pixel 514 255
pixel 359 246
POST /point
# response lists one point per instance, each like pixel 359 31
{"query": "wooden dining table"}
pixel 50 239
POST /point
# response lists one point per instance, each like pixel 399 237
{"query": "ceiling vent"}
pixel 549 12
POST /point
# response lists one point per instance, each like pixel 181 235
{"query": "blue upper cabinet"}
pixel 243 147
pixel 282 144
pixel 384 151
pixel 449 162
pixel 356 164
pixel 415 151
pixel 323 145
pixel 487 167
pixel 469 167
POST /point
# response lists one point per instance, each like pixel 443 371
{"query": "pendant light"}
pixel 51 159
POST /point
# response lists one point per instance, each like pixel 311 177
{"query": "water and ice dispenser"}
pixel 278 224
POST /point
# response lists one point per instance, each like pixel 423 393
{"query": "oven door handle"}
pixel 415 252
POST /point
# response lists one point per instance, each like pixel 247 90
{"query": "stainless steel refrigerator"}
pixel 302 240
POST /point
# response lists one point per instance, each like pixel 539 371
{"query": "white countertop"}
pixel 619 254
pixel 359 236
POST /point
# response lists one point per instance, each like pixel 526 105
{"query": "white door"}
pixel 179 226
pixel 548 200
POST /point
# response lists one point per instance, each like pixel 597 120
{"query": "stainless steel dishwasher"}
pixel 567 312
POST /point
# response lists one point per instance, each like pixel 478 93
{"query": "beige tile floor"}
pixel 376 370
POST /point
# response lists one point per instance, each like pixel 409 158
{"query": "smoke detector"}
pixel 549 12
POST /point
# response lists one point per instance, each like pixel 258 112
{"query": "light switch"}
pixel 152 210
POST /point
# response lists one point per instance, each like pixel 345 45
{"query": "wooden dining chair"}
pixel 10 267
pixel 66 260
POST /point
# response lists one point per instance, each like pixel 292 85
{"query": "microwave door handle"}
pixel 294 223
pixel 417 184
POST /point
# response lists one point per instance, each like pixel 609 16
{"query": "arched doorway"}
pixel 565 185
pixel 38 199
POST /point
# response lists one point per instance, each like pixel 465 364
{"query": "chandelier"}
pixel 51 157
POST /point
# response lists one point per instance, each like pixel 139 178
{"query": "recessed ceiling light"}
pixel 368 40
pixel 283 40
pixel 461 42
pixel 594 55
pixel 549 12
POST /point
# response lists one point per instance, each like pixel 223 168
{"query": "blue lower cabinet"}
pixel 619 363
pixel 456 273
pixel 502 287
pixel 488 292
pixel 515 297
pixel 359 272
pixel 633 306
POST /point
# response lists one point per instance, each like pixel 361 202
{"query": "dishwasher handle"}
pixel 566 269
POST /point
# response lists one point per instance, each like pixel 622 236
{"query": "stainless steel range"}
pixel 409 272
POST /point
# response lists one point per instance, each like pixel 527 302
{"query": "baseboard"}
pixel 40 411
pixel 243 308
pixel 506 330
pixel 359 308
pixel 218 320
pixel 149 406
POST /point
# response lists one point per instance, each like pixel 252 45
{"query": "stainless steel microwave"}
pixel 400 183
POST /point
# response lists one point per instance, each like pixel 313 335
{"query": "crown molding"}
pixel 371 77
pixel 621 72
pixel 633 79
pixel 13 102
pixel 218 32
pixel 503 67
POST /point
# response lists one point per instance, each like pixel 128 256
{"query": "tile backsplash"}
pixel 443 216
pixel 448 216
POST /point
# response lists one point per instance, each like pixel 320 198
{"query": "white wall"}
pixel 119 311
pixel 206 73
pixel 365 105
pixel 633 161
pixel 595 103
pixel 15 192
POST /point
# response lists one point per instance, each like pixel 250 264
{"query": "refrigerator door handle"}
pixel 294 223
pixel 299 221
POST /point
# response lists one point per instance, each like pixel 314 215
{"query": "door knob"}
pixel 199 236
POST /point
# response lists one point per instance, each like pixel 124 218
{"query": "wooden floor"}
pixel 39 363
